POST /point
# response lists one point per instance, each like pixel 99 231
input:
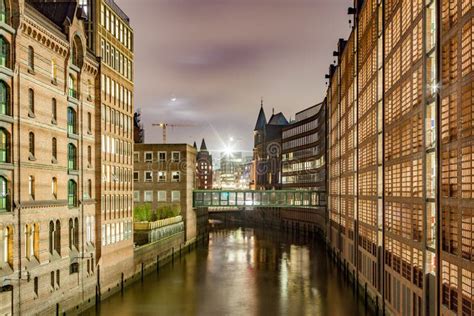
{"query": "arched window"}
pixel 54 111
pixel 54 148
pixel 8 245
pixel 31 144
pixel 71 121
pixel 57 237
pixel 3 194
pixel 51 237
pixel 31 187
pixel 89 188
pixel 54 71
pixel 89 155
pixel 29 241
pixel 4 98
pixel 3 11
pixel 36 234
pixel 54 187
pixel 72 193
pixel 71 233
pixel 31 58
pixel 71 157
pixel 4 146
pixel 31 101
pixel 4 52
pixel 76 233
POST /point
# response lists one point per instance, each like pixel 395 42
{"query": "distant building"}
pixel 230 170
pixel 164 174
pixel 304 165
pixel 138 130
pixel 267 151
pixel 204 176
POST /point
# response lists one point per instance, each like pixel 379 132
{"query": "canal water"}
pixel 242 272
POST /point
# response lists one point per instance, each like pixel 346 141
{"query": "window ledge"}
pixel 74 67
pixel 54 161
pixel 73 172
pixel 73 136
pixel 31 71
pixel 31 114
pixel 6 118
pixel 31 158
pixel 54 122
pixel 7 28
pixel 6 71
pixel 72 100
pixel 54 82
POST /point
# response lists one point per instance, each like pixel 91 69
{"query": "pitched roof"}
pixel 194 145
pixel 278 119
pixel 261 120
pixel 203 145
pixel 60 12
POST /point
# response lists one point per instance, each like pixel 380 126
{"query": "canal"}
pixel 242 272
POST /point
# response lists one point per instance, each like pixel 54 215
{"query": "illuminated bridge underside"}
pixel 280 198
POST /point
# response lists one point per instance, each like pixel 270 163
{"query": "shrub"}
pixel 167 211
pixel 142 213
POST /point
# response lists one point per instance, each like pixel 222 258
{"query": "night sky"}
pixel 207 63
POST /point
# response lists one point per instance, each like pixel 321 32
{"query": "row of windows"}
pixel 150 156
pixel 115 59
pixel 116 232
pixel 161 176
pixel 116 147
pixel 303 166
pixel 115 26
pixel 116 93
pixel 303 153
pixel 305 140
pixel 161 196
pixel 116 206
pixel 301 129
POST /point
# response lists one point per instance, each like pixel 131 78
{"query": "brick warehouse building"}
pixel 400 104
pixel 47 168
pixel 66 131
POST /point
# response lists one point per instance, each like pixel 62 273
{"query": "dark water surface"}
pixel 242 272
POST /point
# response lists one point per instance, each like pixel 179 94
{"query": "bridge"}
pixel 233 199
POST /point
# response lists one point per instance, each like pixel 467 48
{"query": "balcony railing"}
pixel 73 93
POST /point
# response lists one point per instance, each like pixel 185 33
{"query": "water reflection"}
pixel 242 272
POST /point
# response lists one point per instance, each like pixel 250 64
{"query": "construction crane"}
pixel 164 127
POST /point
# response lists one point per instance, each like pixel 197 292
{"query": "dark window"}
pixel 31 58
pixel 31 101
pixel 54 110
pixel 31 143
pixel 54 148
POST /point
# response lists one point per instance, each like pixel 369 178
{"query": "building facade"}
pixel 204 171
pixel 400 159
pixel 48 192
pixel 165 174
pixel 110 37
pixel 267 151
pixel 304 166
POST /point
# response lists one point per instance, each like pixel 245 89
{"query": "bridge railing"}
pixel 273 198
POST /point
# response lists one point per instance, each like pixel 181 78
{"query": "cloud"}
pixel 218 57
